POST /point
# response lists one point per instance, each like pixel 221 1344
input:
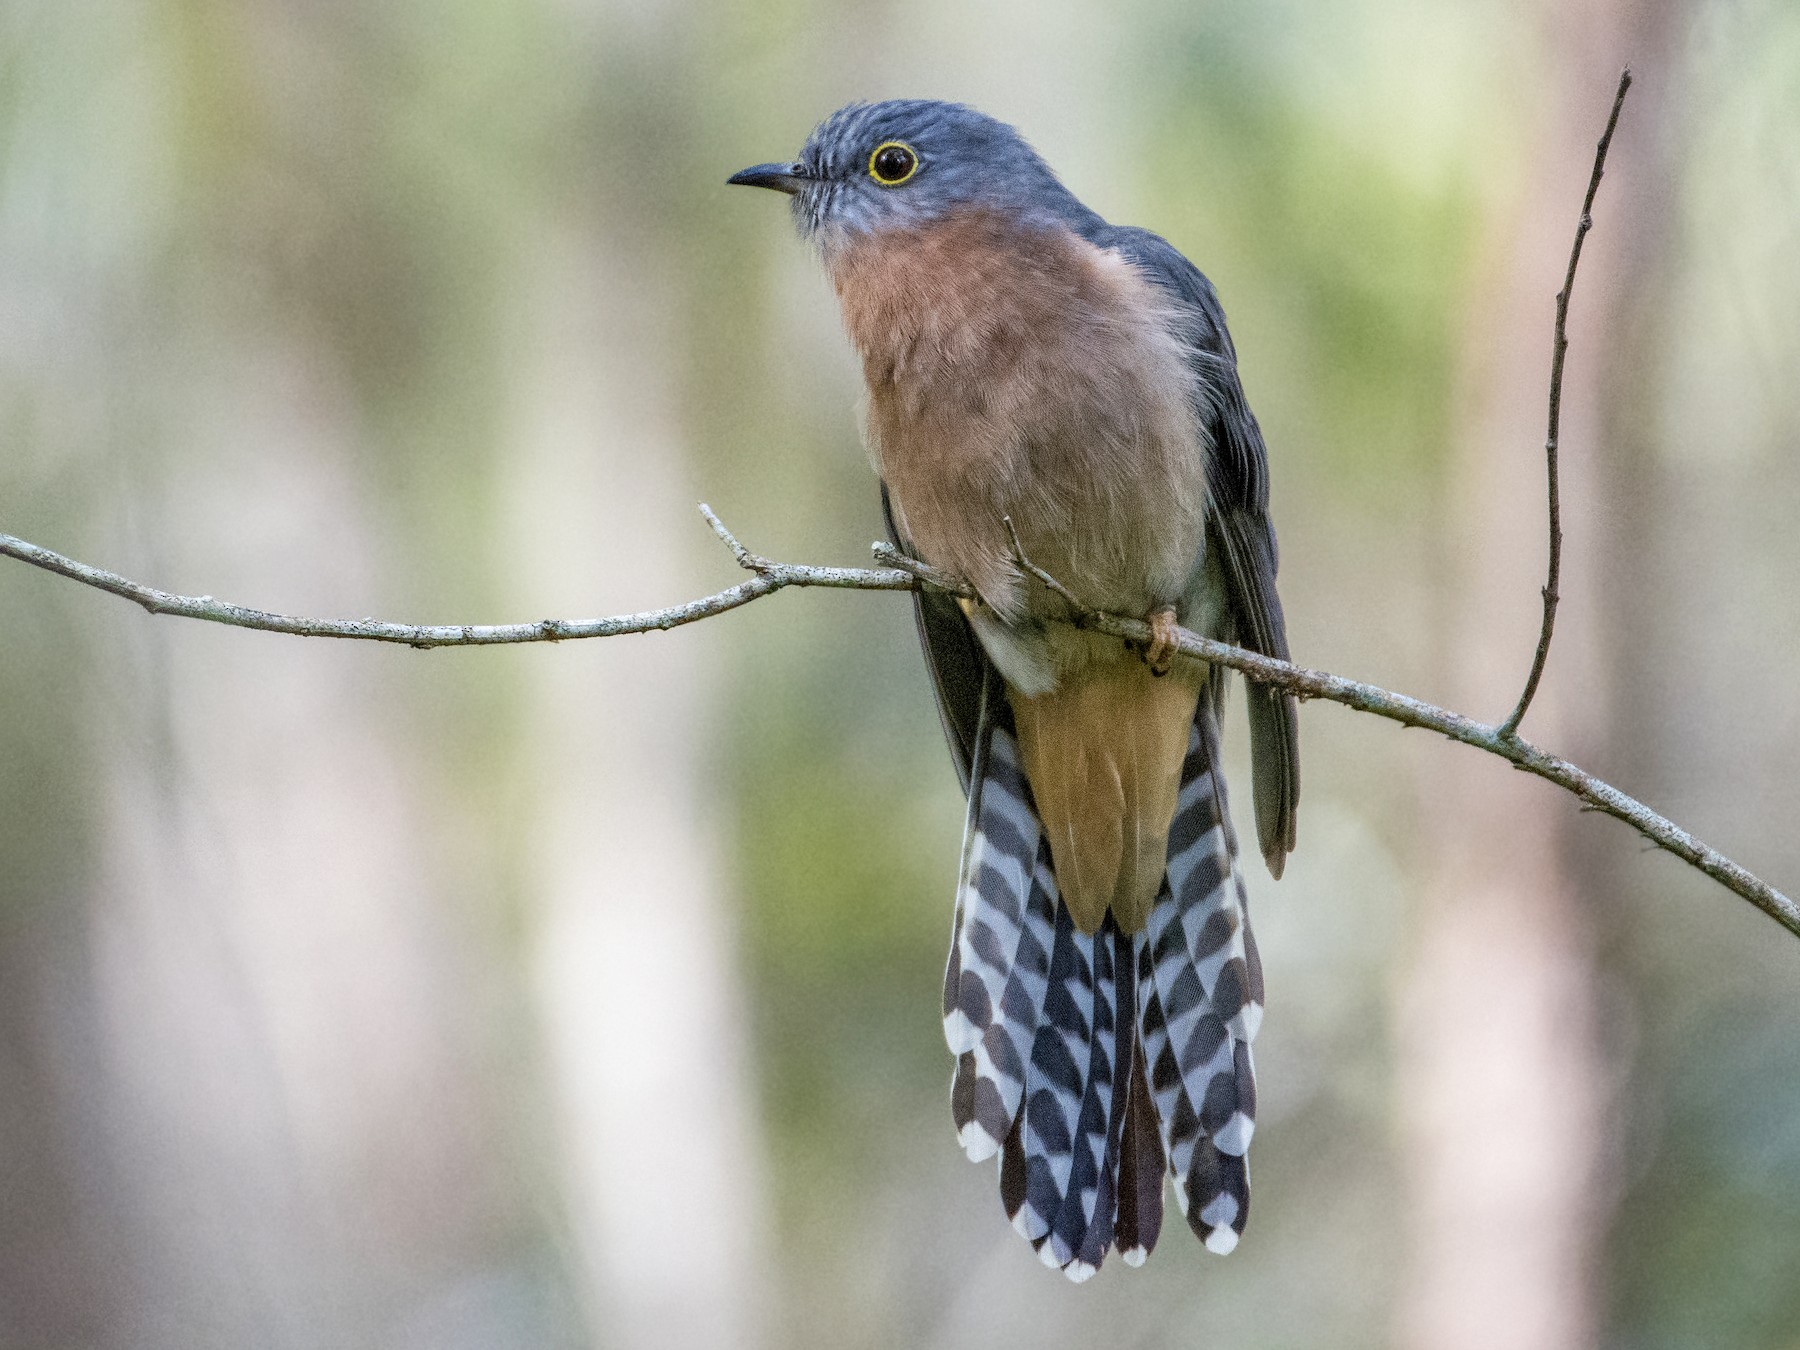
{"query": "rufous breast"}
pixel 1015 370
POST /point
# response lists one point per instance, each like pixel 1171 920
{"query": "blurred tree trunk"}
pixel 250 1105
pixel 1505 1080
pixel 283 1007
pixel 637 978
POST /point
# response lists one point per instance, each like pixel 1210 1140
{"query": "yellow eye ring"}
pixel 893 162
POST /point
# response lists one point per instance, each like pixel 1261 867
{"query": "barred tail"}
pixel 1067 1138
pixel 998 975
pixel 1086 1059
pixel 1200 1002
pixel 1141 1163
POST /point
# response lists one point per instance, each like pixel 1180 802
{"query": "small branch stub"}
pixel 1079 613
pixel 747 560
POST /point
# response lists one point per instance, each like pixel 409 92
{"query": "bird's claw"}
pixel 1165 641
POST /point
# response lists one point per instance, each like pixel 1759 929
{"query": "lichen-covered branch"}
pixel 900 573
pixel 769 577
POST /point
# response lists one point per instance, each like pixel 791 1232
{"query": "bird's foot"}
pixel 1165 641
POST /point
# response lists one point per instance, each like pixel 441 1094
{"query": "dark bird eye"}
pixel 893 163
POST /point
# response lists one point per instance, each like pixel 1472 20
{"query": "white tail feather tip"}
pixel 1133 1256
pixel 1221 1211
pixel 1079 1271
pixel 1234 1136
pixel 960 1032
pixel 1221 1241
pixel 977 1142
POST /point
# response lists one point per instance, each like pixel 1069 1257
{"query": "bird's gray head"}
pixel 879 166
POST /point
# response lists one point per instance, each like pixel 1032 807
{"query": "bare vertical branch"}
pixel 1559 351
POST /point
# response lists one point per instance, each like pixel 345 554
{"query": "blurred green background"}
pixel 586 995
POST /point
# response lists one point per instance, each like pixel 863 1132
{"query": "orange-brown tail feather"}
pixel 1103 753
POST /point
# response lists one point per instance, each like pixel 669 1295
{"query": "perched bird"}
pixel 1044 387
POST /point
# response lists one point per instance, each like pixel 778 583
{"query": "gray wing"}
pixel 952 655
pixel 1237 476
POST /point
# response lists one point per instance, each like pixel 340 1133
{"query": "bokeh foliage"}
pixel 328 224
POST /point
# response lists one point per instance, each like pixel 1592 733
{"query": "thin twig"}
pixel 1559 349
pixel 934 577
pixel 1079 613
pixel 750 562
pixel 772 576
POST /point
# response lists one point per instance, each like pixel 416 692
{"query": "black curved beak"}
pixel 782 177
